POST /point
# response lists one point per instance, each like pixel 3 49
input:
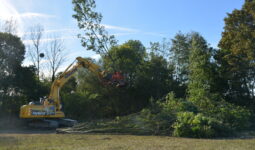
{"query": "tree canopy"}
pixel 236 55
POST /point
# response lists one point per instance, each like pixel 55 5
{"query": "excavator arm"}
pixel 51 106
pixel 69 73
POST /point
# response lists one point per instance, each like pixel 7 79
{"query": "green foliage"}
pixel 201 93
pixel 161 115
pixel 18 84
pixel 180 50
pixel 189 124
pixel 29 85
pixel 161 49
pixel 156 123
pixel 175 105
pixel 112 101
pixel 12 52
pixel 201 77
pixel 232 117
pixel 81 105
pixel 125 56
pixel 221 120
pixel 152 77
pixel 204 82
pixel 156 77
pixel 236 56
pixel 203 113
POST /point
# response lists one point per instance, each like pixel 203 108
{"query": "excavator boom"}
pixel 50 108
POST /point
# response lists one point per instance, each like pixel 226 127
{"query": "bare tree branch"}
pixel 55 56
pixel 35 48
pixel 9 26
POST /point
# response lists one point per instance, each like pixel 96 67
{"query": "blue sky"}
pixel 144 20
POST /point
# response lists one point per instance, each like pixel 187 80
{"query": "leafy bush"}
pixel 233 117
pixel 160 116
pixel 157 123
pixel 189 124
pixel 175 105
pixel 221 120
pixel 80 106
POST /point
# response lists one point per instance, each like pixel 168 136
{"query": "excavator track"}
pixel 50 123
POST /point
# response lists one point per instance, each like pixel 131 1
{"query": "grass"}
pixel 116 142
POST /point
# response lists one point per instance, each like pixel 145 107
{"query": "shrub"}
pixel 158 123
pixel 189 124
pixel 81 106
pixel 220 118
pixel 162 114
pixel 233 117
pixel 175 105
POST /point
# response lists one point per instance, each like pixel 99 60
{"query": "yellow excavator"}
pixel 47 113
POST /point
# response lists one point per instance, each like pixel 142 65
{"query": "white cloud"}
pixel 8 11
pixel 119 28
pixel 129 31
pixel 45 40
pixel 107 27
pixel 33 15
pixel 62 30
pixel 72 32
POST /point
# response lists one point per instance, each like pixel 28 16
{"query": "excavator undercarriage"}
pixel 50 123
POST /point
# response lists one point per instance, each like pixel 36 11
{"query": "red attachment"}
pixel 117 76
pixel 116 79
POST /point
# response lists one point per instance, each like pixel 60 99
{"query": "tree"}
pixel 126 56
pixel 180 51
pixel 55 57
pixel 200 76
pixel 95 36
pixel 155 78
pixel 18 84
pixel 28 84
pixel 35 50
pixel 236 56
pixel 129 58
pixel 12 52
pixel 161 49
